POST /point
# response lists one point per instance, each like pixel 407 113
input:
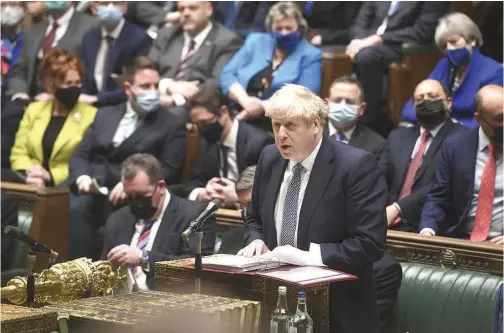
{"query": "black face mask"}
pixel 68 96
pixel 430 113
pixel 211 132
pixel 142 207
pixel 497 137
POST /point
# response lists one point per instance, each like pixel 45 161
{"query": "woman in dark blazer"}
pixel 267 61
pixel 463 70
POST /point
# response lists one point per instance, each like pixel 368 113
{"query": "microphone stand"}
pixel 30 280
pixel 198 265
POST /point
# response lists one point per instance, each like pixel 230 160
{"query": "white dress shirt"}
pixel 392 9
pixel 307 164
pixel 433 132
pixel 126 127
pixel 348 133
pixel 199 39
pixel 63 23
pixel 101 56
pixel 233 174
pixel 497 214
pixel 139 276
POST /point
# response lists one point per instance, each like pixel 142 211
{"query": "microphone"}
pixel 16 234
pixel 209 211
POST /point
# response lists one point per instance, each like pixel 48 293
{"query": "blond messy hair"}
pixel 295 101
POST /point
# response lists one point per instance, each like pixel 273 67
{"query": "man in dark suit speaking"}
pixel 149 229
pixel 319 202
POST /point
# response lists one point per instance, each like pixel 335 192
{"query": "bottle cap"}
pixel 301 294
pixel 282 289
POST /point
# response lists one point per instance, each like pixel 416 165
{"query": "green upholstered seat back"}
pixel 433 299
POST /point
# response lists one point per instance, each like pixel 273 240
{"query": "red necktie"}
pixel 484 209
pixel 413 169
pixel 49 39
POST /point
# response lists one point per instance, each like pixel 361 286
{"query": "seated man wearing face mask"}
pixel 149 228
pixel 139 125
pixel 229 151
pixel 346 105
pixel 409 159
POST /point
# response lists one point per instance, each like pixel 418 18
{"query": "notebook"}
pixel 306 275
pixel 235 264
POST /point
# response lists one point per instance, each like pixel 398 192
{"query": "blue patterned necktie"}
pixel 338 136
pixel 289 220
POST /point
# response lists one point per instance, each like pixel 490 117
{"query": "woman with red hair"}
pixel 51 130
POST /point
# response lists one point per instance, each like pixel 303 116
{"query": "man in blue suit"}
pixel 466 199
pixel 316 201
pixel 106 50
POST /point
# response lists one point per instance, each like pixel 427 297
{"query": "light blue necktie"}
pixel 289 220
pixel 338 136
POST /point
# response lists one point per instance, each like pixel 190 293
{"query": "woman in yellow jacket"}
pixel 52 129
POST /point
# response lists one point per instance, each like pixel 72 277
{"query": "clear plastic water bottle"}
pixel 280 318
pixel 301 322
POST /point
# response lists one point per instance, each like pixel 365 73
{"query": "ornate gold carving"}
pixel 16 319
pixel 447 259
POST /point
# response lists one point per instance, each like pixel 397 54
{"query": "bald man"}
pixel 466 199
pixel 409 158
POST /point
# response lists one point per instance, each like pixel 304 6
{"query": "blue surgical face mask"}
pixel 343 115
pixel 110 14
pixel 56 5
pixel 286 42
pixel 459 57
pixel 146 103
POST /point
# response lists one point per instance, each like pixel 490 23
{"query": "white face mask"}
pixel 11 15
pixel 342 114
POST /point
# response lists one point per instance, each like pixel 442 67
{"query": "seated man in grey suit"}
pixel 192 54
pixel 137 126
pixel 65 29
pixel 346 106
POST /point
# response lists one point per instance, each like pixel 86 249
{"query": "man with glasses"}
pixel 409 159
pixel 229 151
pixel 466 199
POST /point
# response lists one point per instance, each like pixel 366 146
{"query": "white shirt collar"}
pixel 348 133
pixel 130 113
pixel 165 204
pixel 433 132
pixel 308 162
pixel 63 20
pixel 483 140
pixel 230 140
pixel 199 38
pixel 115 32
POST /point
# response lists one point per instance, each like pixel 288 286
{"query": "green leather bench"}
pixel 433 299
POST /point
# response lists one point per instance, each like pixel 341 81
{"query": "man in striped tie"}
pixel 149 228
pixel 466 199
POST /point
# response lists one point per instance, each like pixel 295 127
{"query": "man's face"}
pixel 348 93
pixel 490 115
pixel 194 15
pixel 140 186
pixel 295 138
pixel 144 80
pixel 431 90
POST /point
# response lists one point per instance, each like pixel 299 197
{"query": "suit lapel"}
pixel 70 127
pixel 126 233
pixel 176 49
pixel 113 123
pixel 69 35
pixel 115 51
pixel 241 148
pixel 433 147
pixel 356 139
pixel 270 199
pixel 37 38
pixel 166 222
pixel 146 127
pixel 319 179
pixel 406 150
pixel 40 125
pixel 93 50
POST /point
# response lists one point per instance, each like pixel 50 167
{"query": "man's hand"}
pixel 38 171
pixel 256 247
pixel 253 107
pixel 499 240
pixel 84 186
pixel 316 40
pixel 392 214
pixel 204 196
pixel 358 44
pixel 37 181
pixel 187 88
pixel 88 99
pixel 124 256
pixel 426 233
pixel 173 17
pixel 290 255
pixel 44 97
pixel 166 101
pixel 225 193
pixel 117 196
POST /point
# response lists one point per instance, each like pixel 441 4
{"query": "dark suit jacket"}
pixel 147 13
pixel 449 199
pixel 23 73
pixel 249 18
pixel 412 22
pixel 168 244
pixel 331 20
pixel 366 139
pixel 161 134
pixel 394 164
pixel 343 211
pixel 132 42
pixel 249 145
pixel 206 64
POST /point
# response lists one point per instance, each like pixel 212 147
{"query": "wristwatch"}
pixel 144 261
